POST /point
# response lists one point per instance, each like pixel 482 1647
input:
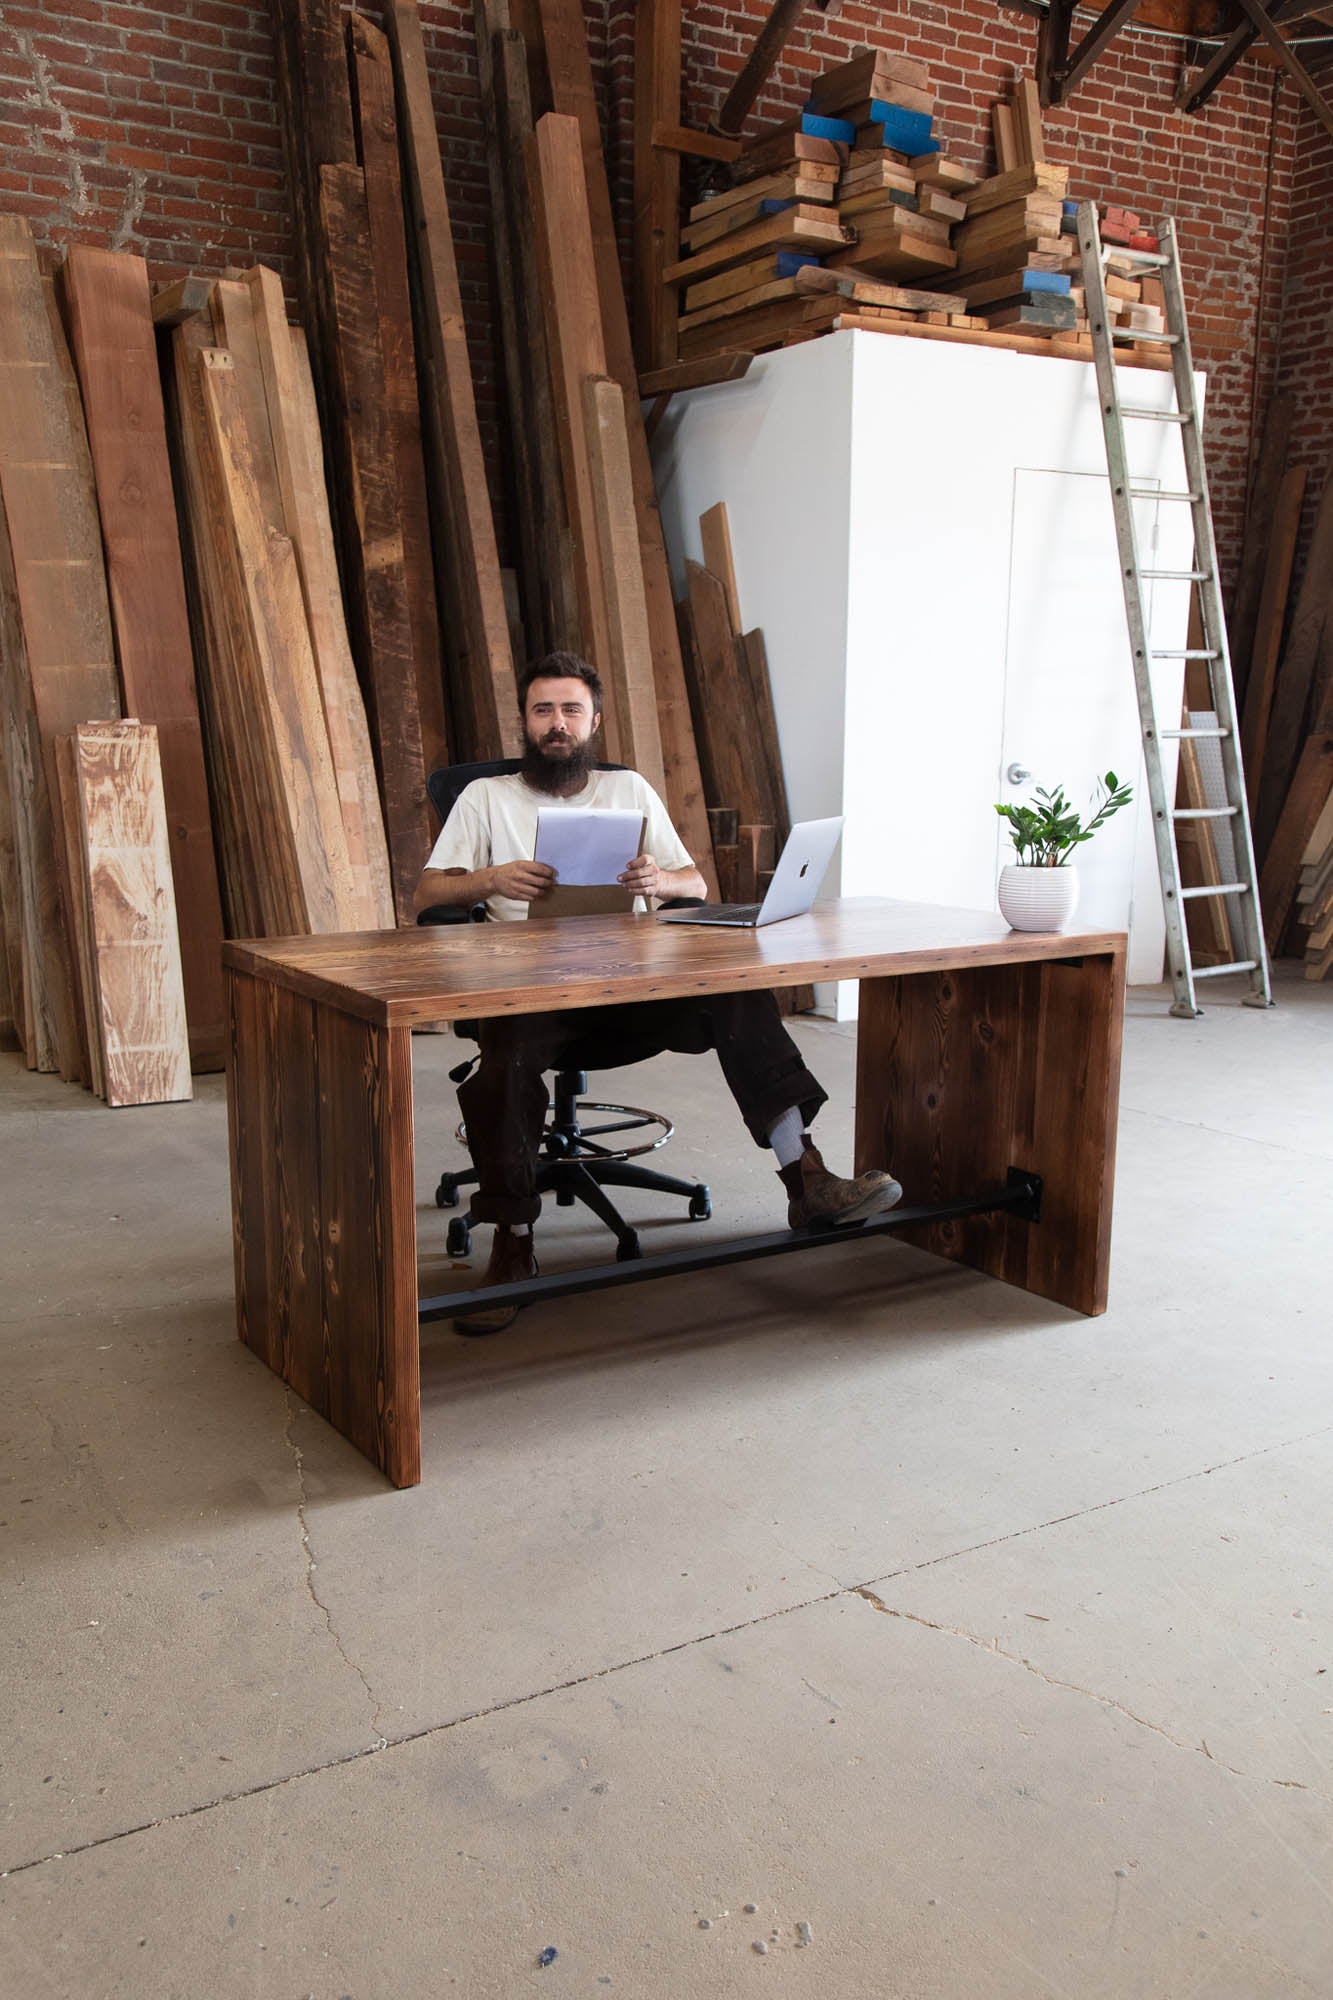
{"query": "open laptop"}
pixel 801 867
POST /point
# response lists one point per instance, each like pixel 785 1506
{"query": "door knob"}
pixel 1018 774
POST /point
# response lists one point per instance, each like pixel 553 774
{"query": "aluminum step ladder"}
pixel 1242 893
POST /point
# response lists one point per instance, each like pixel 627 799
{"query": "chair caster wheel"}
pixel 446 1194
pixel 701 1205
pixel 458 1242
pixel 628 1249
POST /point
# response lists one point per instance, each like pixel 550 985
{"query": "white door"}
pixel 1070 712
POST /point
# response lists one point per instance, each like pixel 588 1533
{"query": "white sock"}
pixel 786 1137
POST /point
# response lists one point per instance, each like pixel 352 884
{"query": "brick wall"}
pixel 154 128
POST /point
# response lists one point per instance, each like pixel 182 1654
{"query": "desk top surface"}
pixel 453 971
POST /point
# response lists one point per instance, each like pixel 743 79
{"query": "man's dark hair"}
pixel 562 667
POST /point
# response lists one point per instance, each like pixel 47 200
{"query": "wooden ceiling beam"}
pixel 1291 63
pixel 1194 93
pixel 1062 78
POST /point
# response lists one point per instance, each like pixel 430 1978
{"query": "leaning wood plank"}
pixel 378 591
pixel 1297 672
pixel 58 580
pixel 294 428
pixel 287 711
pixel 1304 803
pixel 558 617
pixel 35 910
pixel 657 83
pixel 630 658
pixel 315 107
pixel 578 353
pixel 718 698
pixel 564 43
pixel 1027 123
pixel 377 132
pixel 71 827
pixel 181 299
pixel 134 944
pixel 489 690
pixel 1269 625
pixel 111 326
pixel 715 535
pixel 247 888
pixel 13 1022
pixel 1244 612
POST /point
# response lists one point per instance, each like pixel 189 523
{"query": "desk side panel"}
pixel 369 1244
pixel 271 1093
pixel 962 1074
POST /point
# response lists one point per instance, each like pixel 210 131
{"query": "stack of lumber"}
pixel 300 832
pixel 995 262
pixel 124 930
pixel 727 676
pixel 575 417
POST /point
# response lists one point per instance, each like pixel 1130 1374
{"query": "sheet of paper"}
pixel 585 847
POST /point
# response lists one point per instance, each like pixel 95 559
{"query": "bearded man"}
pixel 484 855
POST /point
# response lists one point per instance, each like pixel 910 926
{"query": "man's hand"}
pixel 643 877
pixel 522 881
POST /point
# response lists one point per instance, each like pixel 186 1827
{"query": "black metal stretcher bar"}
pixel 1020 1195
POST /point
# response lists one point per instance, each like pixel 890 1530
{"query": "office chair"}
pixel 574 1164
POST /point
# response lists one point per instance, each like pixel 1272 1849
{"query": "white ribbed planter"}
pixel 1038 899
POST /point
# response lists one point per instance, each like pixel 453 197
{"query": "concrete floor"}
pixel 852 1592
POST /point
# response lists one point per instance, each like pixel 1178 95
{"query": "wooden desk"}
pixel 979 1049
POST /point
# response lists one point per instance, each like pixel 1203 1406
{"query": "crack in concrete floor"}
pixel 861 1590
pixel 380 1740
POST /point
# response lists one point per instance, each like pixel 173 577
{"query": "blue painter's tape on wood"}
pixel 906 131
pixel 1044 281
pixel 1069 208
pixel 814 127
pixel 772 205
pixel 792 261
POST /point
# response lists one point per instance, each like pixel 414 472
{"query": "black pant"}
pixel 504 1101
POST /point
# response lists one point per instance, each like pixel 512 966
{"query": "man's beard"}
pixel 557 775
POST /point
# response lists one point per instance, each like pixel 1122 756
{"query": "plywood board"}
pixel 131 913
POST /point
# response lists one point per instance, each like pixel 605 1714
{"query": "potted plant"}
pixel 1039 891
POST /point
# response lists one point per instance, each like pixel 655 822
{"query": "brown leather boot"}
pixel 820 1199
pixel 512 1260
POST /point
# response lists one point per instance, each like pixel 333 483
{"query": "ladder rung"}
pixel 1155 493
pixel 1216 971
pixel 1205 812
pixel 1187 653
pixel 1158 416
pixel 1178 735
pixel 1134 256
pixel 1178 575
pixel 1219 889
pixel 1145 333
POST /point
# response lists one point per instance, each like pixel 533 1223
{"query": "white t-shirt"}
pixel 495 820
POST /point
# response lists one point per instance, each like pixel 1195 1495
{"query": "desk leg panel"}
pixel 272 1098
pixel 963 1074
pixel 371 1337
